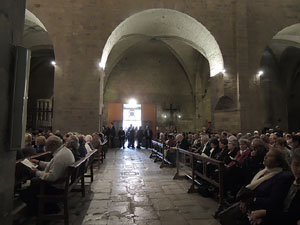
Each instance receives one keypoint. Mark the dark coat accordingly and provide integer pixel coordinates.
(230, 155)
(121, 134)
(148, 135)
(222, 154)
(290, 217)
(82, 150)
(184, 144)
(271, 193)
(205, 150)
(41, 149)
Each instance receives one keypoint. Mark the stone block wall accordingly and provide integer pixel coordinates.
(80, 29)
(227, 120)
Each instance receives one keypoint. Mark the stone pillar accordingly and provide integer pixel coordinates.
(242, 62)
(11, 28)
(101, 97)
(203, 110)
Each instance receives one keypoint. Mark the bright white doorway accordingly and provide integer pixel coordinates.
(132, 115)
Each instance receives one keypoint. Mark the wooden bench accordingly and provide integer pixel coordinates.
(181, 161)
(75, 175)
(157, 152)
(20, 177)
(90, 164)
(101, 153)
(22, 174)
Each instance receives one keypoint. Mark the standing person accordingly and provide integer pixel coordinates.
(121, 135)
(131, 137)
(107, 135)
(157, 133)
(112, 135)
(139, 137)
(148, 135)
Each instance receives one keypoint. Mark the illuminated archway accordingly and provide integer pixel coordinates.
(164, 24)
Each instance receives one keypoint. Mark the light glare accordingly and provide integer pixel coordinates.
(132, 101)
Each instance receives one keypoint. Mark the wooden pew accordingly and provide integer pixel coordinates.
(157, 151)
(90, 165)
(75, 175)
(181, 155)
(22, 174)
(101, 153)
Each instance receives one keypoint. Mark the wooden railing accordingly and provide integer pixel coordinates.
(157, 152)
(76, 174)
(188, 160)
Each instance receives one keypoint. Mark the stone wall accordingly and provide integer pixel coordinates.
(151, 74)
(79, 31)
(265, 20)
(226, 120)
(11, 26)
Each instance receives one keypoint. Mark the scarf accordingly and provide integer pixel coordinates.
(262, 176)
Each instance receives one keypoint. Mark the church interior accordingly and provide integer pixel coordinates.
(175, 66)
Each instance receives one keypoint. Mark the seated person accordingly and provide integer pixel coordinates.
(290, 213)
(88, 143)
(232, 150)
(28, 150)
(48, 171)
(255, 162)
(267, 189)
(40, 142)
(171, 142)
(223, 145)
(72, 143)
(180, 143)
(205, 146)
(241, 155)
(214, 149)
(81, 149)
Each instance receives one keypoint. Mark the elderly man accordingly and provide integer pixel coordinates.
(204, 144)
(49, 171)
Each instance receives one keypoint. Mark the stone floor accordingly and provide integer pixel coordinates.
(130, 189)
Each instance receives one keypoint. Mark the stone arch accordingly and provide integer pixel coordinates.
(224, 103)
(289, 33)
(41, 79)
(163, 24)
(280, 63)
(139, 41)
(35, 34)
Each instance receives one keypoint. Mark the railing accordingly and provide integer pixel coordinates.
(188, 160)
(158, 152)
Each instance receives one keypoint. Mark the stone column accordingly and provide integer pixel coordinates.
(242, 62)
(11, 28)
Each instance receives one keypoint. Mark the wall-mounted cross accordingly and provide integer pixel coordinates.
(172, 111)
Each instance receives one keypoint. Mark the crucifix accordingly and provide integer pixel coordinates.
(172, 110)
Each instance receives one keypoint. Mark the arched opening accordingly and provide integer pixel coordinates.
(280, 80)
(165, 58)
(41, 78)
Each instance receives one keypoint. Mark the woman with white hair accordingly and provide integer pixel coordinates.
(88, 143)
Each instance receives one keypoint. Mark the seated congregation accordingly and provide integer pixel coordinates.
(58, 166)
(261, 175)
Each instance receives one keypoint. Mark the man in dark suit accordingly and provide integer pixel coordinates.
(205, 146)
(148, 135)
